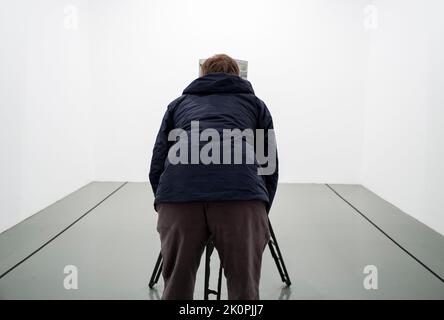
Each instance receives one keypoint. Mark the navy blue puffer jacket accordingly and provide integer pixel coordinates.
(219, 101)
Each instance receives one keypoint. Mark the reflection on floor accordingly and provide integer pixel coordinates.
(328, 234)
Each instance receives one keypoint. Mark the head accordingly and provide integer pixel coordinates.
(220, 63)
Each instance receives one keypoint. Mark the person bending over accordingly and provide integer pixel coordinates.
(214, 173)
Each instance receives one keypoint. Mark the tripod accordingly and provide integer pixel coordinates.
(274, 250)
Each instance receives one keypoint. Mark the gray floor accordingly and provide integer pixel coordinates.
(327, 234)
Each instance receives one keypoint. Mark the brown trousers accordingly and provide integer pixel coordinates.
(240, 233)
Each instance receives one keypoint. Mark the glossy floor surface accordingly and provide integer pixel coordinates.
(329, 235)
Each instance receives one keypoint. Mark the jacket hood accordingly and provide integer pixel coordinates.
(219, 83)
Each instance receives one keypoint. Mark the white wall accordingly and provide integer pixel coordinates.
(44, 88)
(85, 104)
(404, 132)
(306, 61)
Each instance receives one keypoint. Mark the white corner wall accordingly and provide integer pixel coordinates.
(403, 154)
(306, 61)
(44, 97)
(350, 105)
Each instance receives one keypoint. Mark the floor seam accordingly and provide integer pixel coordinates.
(385, 234)
(61, 232)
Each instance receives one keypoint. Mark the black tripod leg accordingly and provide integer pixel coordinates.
(219, 282)
(276, 260)
(208, 251)
(156, 272)
(277, 255)
(159, 272)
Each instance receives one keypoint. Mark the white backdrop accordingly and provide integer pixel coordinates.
(84, 85)
(46, 150)
(306, 61)
(404, 134)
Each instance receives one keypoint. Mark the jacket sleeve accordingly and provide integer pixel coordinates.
(265, 122)
(160, 150)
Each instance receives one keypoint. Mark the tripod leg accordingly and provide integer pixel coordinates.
(156, 272)
(276, 260)
(278, 257)
(219, 282)
(208, 251)
(159, 272)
